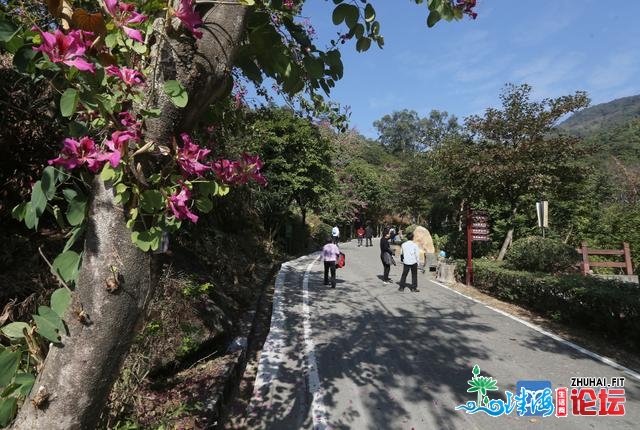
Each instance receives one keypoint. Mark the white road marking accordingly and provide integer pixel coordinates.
(318, 410)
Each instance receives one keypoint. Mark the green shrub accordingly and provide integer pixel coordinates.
(607, 306)
(539, 254)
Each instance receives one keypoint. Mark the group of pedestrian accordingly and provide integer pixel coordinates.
(365, 234)
(409, 256)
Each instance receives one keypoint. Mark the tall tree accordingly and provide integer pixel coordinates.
(142, 174)
(514, 152)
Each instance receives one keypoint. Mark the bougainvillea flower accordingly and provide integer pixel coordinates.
(77, 153)
(189, 157)
(186, 13)
(177, 203)
(124, 14)
(66, 48)
(128, 76)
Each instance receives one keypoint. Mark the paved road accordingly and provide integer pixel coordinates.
(365, 356)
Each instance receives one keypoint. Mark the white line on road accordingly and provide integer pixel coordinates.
(591, 354)
(318, 410)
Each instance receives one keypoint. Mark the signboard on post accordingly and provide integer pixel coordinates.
(478, 230)
(542, 209)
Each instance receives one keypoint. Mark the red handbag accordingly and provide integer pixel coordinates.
(341, 260)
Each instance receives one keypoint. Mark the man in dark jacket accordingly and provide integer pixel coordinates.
(368, 234)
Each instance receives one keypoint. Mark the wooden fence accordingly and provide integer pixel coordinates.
(625, 252)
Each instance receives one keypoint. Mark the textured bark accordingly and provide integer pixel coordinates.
(79, 374)
(509, 238)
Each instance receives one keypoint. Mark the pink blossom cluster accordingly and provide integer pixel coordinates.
(68, 49)
(177, 203)
(239, 172)
(130, 77)
(187, 14)
(124, 15)
(190, 156)
(467, 7)
(77, 153)
(288, 4)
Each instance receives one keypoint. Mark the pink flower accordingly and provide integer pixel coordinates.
(190, 18)
(116, 144)
(125, 14)
(177, 203)
(239, 172)
(67, 49)
(128, 76)
(189, 157)
(76, 153)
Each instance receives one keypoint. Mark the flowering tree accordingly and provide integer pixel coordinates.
(133, 80)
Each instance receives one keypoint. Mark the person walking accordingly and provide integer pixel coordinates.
(410, 257)
(330, 254)
(386, 255)
(360, 232)
(335, 234)
(368, 233)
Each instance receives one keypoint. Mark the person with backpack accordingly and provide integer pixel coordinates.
(330, 255)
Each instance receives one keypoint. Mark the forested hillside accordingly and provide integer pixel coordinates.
(603, 116)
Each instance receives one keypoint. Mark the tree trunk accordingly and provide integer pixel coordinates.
(509, 237)
(78, 375)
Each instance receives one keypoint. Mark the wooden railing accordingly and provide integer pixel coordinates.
(625, 252)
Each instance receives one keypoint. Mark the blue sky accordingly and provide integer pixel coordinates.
(556, 46)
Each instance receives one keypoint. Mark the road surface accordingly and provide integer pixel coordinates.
(365, 356)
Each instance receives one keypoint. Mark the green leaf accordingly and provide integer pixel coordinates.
(74, 235)
(30, 217)
(25, 381)
(23, 57)
(52, 317)
(363, 44)
(369, 13)
(204, 204)
(38, 199)
(47, 329)
(176, 93)
(66, 265)
(223, 190)
(148, 239)
(314, 67)
(60, 300)
(20, 211)
(69, 102)
(151, 201)
(69, 194)
(107, 172)
(8, 408)
(77, 210)
(9, 361)
(49, 182)
(339, 13)
(14, 329)
(7, 30)
(77, 129)
(352, 15)
(434, 17)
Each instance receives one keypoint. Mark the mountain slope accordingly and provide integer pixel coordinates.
(602, 116)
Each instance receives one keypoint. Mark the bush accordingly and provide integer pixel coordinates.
(539, 254)
(607, 306)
